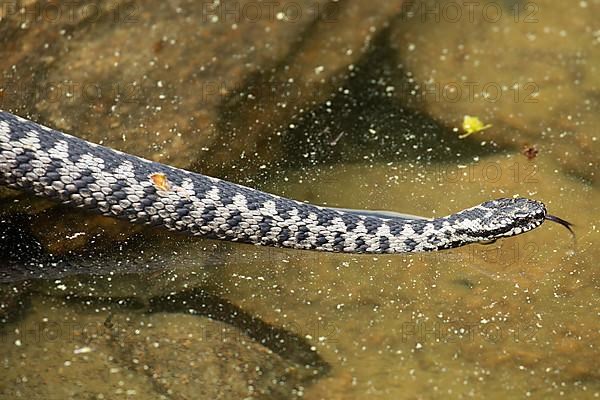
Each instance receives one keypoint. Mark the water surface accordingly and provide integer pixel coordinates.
(124, 314)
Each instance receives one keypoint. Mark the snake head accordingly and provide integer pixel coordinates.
(508, 217)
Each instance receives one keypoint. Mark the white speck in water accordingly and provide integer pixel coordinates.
(82, 350)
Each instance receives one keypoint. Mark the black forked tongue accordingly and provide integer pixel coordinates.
(562, 222)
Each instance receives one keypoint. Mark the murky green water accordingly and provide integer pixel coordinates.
(161, 316)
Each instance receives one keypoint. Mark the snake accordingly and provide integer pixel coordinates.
(70, 170)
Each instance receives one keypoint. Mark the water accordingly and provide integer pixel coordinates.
(161, 316)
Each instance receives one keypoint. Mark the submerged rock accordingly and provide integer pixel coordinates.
(103, 354)
(198, 85)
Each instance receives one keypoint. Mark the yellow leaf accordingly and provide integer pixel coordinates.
(472, 125)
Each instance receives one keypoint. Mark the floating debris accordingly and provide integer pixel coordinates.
(472, 125)
(82, 350)
(530, 152)
(160, 181)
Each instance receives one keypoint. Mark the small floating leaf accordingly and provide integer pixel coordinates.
(472, 125)
(160, 181)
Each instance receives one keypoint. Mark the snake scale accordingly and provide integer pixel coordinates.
(58, 166)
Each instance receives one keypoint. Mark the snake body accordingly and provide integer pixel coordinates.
(73, 171)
